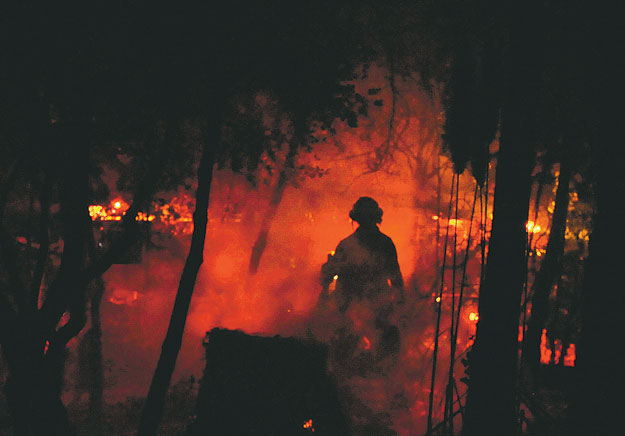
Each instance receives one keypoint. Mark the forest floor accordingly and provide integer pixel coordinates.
(544, 411)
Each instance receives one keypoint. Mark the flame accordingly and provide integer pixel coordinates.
(115, 211)
(569, 359)
(309, 425)
(177, 213)
(532, 227)
(123, 297)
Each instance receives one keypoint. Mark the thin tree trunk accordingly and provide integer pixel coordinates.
(95, 362)
(550, 269)
(276, 197)
(596, 408)
(155, 401)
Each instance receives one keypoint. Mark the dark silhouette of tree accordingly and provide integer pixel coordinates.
(495, 83)
(71, 99)
(155, 401)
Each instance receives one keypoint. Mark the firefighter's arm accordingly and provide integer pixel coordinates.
(328, 271)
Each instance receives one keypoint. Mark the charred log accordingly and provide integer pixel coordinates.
(259, 386)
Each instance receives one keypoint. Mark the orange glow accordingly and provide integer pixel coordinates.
(281, 298)
(473, 316)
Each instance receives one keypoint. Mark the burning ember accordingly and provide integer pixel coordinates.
(309, 425)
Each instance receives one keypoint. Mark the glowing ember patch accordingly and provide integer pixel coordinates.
(332, 253)
(366, 343)
(569, 359)
(435, 217)
(116, 210)
(545, 352)
(438, 299)
(309, 425)
(45, 349)
(473, 316)
(336, 277)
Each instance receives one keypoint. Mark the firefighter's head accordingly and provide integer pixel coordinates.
(366, 212)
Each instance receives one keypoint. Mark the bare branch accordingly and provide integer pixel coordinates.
(44, 245)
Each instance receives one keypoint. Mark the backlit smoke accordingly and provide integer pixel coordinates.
(282, 296)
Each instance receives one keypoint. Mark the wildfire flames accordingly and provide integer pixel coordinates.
(177, 214)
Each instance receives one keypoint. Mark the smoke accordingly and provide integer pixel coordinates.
(281, 298)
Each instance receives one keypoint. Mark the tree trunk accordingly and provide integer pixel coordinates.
(491, 406)
(155, 401)
(270, 213)
(491, 400)
(550, 269)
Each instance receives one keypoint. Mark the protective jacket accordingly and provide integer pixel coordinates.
(365, 266)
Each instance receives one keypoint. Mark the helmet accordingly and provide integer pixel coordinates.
(366, 209)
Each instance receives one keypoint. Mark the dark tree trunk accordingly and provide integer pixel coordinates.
(491, 401)
(597, 401)
(491, 406)
(550, 270)
(95, 373)
(155, 401)
(276, 197)
(37, 353)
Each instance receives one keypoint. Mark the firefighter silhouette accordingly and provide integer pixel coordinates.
(364, 270)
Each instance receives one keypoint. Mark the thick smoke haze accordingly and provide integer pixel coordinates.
(400, 171)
